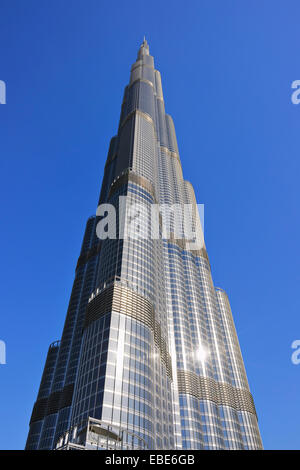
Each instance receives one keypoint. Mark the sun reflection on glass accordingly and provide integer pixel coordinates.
(201, 353)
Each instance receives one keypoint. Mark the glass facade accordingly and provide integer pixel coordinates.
(149, 350)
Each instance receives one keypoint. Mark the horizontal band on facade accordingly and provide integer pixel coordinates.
(85, 257)
(139, 63)
(148, 118)
(120, 299)
(129, 176)
(205, 388)
(140, 113)
(52, 404)
(181, 243)
(142, 80)
(170, 152)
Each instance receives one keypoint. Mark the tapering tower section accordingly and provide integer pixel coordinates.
(149, 356)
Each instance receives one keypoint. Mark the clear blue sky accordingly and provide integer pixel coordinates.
(227, 69)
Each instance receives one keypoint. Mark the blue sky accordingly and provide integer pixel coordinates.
(227, 68)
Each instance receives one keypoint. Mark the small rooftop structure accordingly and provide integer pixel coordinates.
(94, 434)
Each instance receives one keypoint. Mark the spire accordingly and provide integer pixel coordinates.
(144, 48)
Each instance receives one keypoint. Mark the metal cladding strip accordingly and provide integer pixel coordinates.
(162, 346)
(55, 402)
(121, 299)
(205, 388)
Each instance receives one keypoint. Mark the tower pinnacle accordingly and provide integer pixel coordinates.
(144, 48)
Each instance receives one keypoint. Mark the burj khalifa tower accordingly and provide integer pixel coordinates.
(149, 356)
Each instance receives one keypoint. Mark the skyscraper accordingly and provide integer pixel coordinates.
(149, 356)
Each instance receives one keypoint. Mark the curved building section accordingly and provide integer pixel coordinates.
(40, 406)
(246, 412)
(52, 415)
